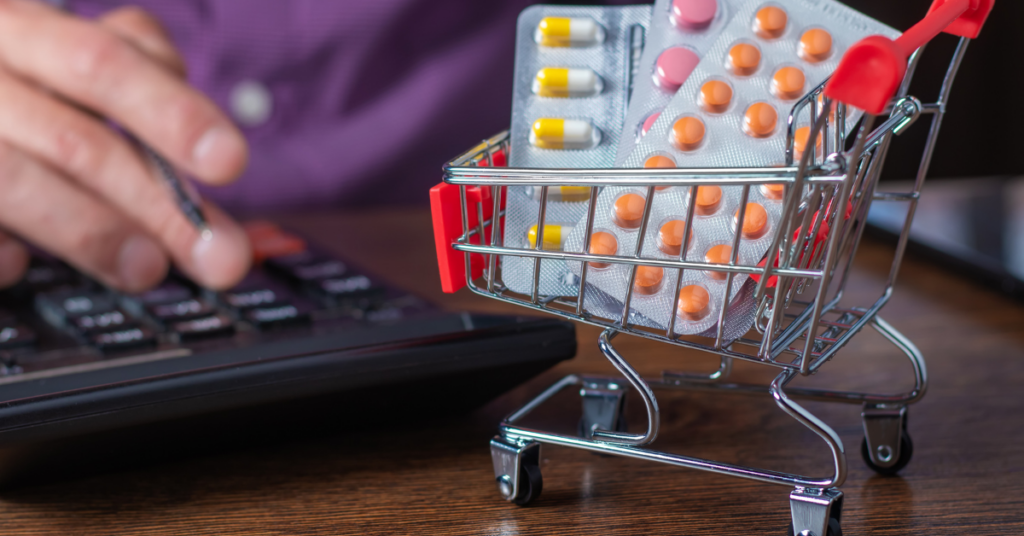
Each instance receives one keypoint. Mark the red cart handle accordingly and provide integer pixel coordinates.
(871, 70)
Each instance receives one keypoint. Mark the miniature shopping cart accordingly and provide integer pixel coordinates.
(799, 324)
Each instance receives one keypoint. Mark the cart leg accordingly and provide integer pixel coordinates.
(517, 470)
(603, 406)
(816, 512)
(887, 447)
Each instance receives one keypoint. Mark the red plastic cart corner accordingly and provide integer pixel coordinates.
(446, 211)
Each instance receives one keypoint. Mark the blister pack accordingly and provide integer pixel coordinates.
(570, 95)
(617, 224)
(732, 110)
(727, 114)
(681, 33)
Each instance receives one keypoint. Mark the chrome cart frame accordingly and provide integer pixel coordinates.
(793, 333)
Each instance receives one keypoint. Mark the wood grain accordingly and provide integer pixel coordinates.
(436, 478)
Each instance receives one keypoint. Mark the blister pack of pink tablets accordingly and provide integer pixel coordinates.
(733, 109)
(681, 33)
(570, 91)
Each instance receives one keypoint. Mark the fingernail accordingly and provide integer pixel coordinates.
(141, 263)
(218, 151)
(221, 257)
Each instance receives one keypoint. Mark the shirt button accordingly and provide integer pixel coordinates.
(251, 103)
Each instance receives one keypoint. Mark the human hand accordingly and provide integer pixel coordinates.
(75, 187)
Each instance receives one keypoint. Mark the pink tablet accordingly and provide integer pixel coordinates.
(649, 122)
(674, 66)
(693, 14)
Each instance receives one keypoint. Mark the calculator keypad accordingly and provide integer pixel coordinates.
(56, 309)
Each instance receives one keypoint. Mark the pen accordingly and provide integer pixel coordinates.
(189, 207)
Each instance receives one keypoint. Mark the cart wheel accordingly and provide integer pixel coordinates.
(906, 452)
(834, 528)
(531, 483)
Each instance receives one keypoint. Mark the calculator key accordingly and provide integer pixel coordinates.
(355, 290)
(124, 339)
(43, 275)
(320, 270)
(183, 310)
(269, 240)
(100, 322)
(281, 315)
(16, 336)
(209, 326)
(307, 266)
(168, 292)
(344, 287)
(248, 299)
(285, 263)
(70, 304)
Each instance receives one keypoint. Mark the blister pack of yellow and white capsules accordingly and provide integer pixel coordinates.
(681, 33)
(570, 94)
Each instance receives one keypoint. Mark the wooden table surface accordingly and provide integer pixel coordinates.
(436, 477)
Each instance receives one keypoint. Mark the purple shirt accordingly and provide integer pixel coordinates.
(369, 97)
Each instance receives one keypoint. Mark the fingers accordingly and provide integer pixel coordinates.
(90, 65)
(61, 218)
(80, 147)
(145, 32)
(223, 260)
(13, 260)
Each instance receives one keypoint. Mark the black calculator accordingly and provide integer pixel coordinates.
(82, 364)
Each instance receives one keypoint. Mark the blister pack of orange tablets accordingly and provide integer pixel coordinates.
(731, 112)
(733, 109)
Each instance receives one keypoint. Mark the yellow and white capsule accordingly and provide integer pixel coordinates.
(554, 236)
(566, 82)
(557, 133)
(568, 32)
(562, 194)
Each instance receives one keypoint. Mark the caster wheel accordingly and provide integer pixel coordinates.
(834, 528)
(531, 483)
(906, 452)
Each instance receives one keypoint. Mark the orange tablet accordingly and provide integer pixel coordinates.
(648, 280)
(670, 237)
(687, 133)
(773, 191)
(770, 22)
(760, 120)
(709, 200)
(628, 211)
(788, 83)
(744, 59)
(720, 254)
(755, 221)
(815, 45)
(715, 96)
(603, 243)
(800, 139)
(694, 302)
(659, 161)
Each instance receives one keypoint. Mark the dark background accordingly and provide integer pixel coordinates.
(981, 133)
(982, 130)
